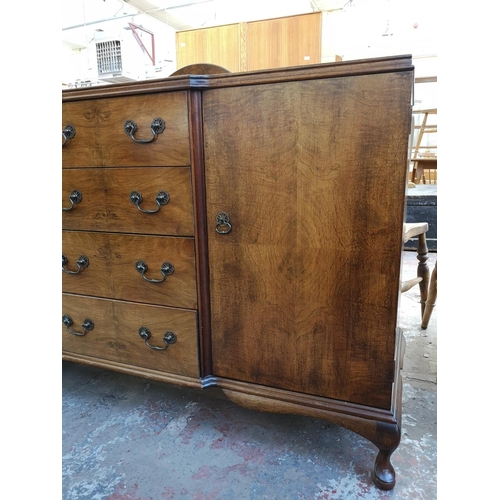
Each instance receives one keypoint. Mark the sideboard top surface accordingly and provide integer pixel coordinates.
(185, 82)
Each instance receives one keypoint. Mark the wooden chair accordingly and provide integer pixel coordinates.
(427, 293)
(431, 298)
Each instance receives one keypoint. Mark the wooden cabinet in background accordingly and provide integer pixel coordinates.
(282, 42)
(284, 228)
(220, 45)
(271, 43)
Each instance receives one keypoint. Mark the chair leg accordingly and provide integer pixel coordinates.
(431, 300)
(417, 173)
(423, 270)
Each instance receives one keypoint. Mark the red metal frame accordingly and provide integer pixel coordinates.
(134, 27)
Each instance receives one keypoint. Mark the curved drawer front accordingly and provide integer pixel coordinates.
(101, 139)
(115, 334)
(112, 272)
(105, 200)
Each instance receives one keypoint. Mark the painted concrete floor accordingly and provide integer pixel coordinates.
(128, 438)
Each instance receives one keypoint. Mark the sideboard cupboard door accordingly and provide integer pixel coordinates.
(304, 269)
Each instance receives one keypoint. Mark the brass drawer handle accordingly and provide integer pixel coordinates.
(82, 263)
(157, 127)
(74, 198)
(167, 269)
(168, 339)
(68, 133)
(87, 325)
(162, 198)
(222, 219)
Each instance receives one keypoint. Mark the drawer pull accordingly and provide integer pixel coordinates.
(82, 263)
(168, 339)
(157, 127)
(87, 325)
(167, 269)
(74, 198)
(162, 198)
(222, 219)
(68, 133)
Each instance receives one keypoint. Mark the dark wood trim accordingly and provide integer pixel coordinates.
(397, 388)
(310, 72)
(313, 406)
(169, 378)
(200, 221)
(293, 73)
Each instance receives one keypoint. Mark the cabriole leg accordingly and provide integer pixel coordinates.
(384, 475)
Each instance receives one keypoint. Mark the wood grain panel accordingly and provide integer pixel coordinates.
(84, 149)
(171, 148)
(100, 138)
(91, 213)
(111, 272)
(115, 335)
(304, 290)
(106, 206)
(96, 279)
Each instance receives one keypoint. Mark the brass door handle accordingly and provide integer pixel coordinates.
(82, 263)
(168, 339)
(75, 197)
(87, 325)
(68, 133)
(162, 198)
(223, 226)
(157, 127)
(166, 269)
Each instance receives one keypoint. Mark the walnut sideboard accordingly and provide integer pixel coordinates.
(245, 231)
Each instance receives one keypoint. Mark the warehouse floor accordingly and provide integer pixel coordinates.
(128, 438)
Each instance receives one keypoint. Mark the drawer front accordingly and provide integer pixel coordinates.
(115, 334)
(106, 206)
(170, 148)
(101, 140)
(84, 148)
(112, 273)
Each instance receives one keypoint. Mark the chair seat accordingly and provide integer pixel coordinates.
(412, 229)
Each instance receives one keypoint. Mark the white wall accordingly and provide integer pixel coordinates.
(376, 28)
(373, 28)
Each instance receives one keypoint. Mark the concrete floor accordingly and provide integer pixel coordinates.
(127, 438)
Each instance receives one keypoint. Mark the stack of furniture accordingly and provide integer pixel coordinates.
(245, 231)
(422, 159)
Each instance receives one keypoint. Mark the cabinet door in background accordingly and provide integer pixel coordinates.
(220, 45)
(282, 42)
